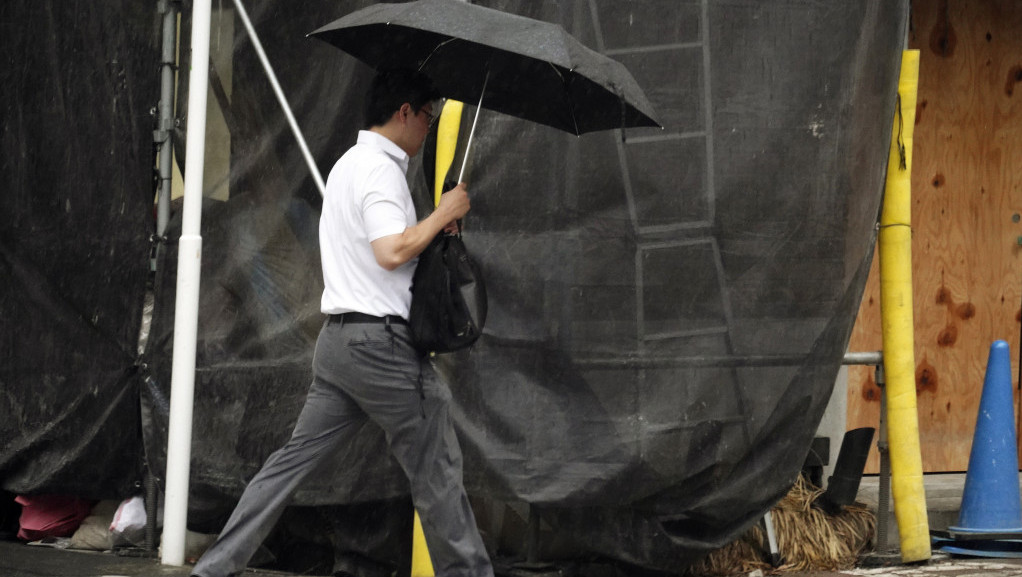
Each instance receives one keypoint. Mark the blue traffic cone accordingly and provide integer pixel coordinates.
(990, 501)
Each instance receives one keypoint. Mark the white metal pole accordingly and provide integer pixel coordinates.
(186, 312)
(316, 176)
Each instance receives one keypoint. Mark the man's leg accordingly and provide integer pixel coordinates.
(428, 450)
(325, 418)
(385, 381)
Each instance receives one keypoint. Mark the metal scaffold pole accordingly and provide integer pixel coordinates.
(164, 134)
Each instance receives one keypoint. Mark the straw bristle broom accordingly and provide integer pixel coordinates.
(807, 538)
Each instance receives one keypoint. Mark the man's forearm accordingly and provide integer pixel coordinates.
(397, 249)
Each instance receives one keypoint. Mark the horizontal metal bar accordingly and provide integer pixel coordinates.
(684, 334)
(653, 48)
(696, 225)
(729, 361)
(868, 358)
(664, 137)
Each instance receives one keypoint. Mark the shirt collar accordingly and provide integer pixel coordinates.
(392, 150)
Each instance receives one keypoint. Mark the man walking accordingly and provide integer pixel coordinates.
(365, 364)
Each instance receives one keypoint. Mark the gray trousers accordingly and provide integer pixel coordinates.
(366, 370)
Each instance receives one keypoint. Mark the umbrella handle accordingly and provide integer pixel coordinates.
(471, 133)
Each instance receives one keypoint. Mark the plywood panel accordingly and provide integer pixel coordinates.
(967, 202)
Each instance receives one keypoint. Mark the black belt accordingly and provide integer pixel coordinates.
(362, 318)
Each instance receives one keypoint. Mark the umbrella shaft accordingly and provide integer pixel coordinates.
(471, 133)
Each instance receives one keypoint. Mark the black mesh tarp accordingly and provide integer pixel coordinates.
(667, 310)
(76, 87)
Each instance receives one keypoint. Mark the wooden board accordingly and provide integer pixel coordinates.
(966, 222)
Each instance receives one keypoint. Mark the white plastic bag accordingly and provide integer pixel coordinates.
(128, 525)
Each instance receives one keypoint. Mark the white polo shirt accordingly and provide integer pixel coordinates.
(367, 198)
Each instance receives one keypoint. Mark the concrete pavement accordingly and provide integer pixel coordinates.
(943, 498)
(20, 560)
(940, 566)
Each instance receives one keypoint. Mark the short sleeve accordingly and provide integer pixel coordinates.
(383, 206)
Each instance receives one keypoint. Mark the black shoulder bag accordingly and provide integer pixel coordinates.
(448, 297)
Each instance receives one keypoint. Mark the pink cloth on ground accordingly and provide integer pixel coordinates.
(51, 515)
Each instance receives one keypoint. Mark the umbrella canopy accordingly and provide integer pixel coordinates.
(528, 68)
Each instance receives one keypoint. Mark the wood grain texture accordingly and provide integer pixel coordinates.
(966, 202)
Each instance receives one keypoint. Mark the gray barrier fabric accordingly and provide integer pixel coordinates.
(668, 309)
(76, 159)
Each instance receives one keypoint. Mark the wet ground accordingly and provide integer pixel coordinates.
(939, 566)
(20, 560)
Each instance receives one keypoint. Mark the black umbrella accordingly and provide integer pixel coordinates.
(511, 64)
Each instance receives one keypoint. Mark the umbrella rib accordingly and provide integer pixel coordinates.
(571, 105)
(435, 48)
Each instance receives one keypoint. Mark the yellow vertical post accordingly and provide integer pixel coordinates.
(895, 240)
(446, 143)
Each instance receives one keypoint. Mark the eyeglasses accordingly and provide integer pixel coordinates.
(435, 107)
(430, 117)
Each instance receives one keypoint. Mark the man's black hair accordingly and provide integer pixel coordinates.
(392, 88)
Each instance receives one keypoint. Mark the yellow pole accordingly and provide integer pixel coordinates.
(895, 241)
(446, 143)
